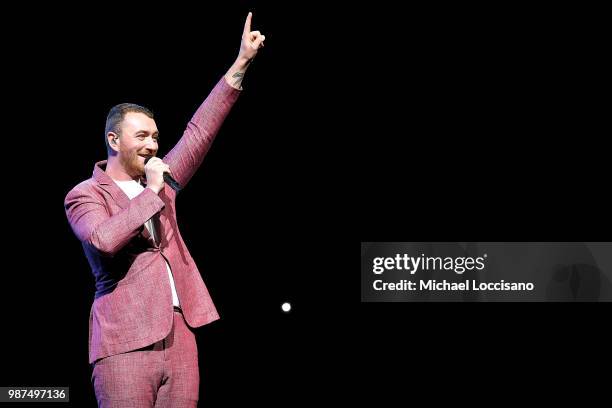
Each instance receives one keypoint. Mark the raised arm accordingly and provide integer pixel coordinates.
(187, 155)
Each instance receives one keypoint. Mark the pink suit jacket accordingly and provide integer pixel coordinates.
(133, 302)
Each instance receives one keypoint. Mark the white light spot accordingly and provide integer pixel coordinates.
(286, 307)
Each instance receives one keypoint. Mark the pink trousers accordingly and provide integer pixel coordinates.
(164, 374)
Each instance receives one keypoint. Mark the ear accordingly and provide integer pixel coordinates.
(113, 140)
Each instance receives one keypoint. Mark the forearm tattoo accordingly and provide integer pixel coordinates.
(238, 76)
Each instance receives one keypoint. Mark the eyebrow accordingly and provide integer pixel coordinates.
(156, 133)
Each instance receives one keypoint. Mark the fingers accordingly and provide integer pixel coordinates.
(165, 168)
(258, 41)
(255, 37)
(153, 160)
(247, 25)
(156, 162)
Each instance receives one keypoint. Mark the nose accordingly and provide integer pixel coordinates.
(151, 145)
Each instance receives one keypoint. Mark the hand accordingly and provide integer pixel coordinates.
(154, 171)
(252, 41)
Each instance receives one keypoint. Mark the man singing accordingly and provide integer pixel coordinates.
(149, 292)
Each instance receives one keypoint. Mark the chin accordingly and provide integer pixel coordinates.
(136, 169)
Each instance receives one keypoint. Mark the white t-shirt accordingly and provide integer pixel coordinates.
(132, 188)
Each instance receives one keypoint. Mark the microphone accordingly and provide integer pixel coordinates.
(168, 179)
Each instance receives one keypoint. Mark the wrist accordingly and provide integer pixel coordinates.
(236, 73)
(242, 63)
(156, 189)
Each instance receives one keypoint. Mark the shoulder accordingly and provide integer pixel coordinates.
(86, 188)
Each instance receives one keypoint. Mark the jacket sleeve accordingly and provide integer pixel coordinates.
(187, 155)
(93, 226)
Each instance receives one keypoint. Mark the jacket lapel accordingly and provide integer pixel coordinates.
(108, 185)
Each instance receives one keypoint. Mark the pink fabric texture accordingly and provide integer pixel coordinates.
(133, 304)
(162, 375)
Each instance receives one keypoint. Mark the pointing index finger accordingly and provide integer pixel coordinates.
(247, 24)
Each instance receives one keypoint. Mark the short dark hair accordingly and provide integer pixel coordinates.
(117, 114)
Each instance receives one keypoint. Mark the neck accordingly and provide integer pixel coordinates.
(115, 170)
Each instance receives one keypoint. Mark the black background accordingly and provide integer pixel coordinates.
(363, 123)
